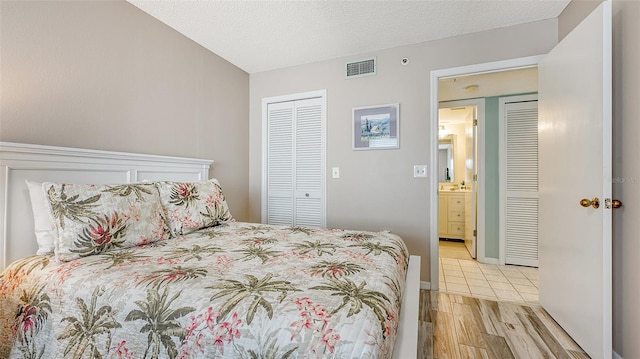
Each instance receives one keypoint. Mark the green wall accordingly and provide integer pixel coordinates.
(492, 175)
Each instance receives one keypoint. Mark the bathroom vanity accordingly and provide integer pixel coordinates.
(451, 209)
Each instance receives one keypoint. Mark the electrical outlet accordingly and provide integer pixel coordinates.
(420, 171)
(335, 172)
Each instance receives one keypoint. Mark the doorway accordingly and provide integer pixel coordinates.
(486, 249)
(457, 170)
(575, 81)
(458, 125)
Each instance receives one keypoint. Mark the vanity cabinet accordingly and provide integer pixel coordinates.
(451, 212)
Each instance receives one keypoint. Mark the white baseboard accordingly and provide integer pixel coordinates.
(616, 355)
(425, 285)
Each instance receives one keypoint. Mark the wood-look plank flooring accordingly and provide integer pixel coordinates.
(460, 327)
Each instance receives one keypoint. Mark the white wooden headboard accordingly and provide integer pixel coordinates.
(20, 162)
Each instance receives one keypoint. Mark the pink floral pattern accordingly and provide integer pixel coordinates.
(122, 352)
(205, 332)
(92, 219)
(235, 290)
(193, 205)
(316, 319)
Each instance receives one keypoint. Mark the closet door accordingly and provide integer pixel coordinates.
(520, 191)
(280, 165)
(309, 164)
(295, 163)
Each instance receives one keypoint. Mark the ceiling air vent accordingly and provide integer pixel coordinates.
(361, 68)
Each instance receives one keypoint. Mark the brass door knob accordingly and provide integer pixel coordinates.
(595, 202)
(616, 203)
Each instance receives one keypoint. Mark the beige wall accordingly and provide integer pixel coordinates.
(626, 168)
(573, 14)
(377, 190)
(626, 171)
(105, 75)
(626, 131)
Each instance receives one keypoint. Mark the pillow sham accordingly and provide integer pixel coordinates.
(41, 219)
(190, 206)
(92, 219)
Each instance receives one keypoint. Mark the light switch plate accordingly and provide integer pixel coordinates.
(335, 172)
(420, 171)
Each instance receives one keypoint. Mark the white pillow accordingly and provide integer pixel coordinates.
(41, 219)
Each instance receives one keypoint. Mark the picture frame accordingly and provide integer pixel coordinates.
(376, 127)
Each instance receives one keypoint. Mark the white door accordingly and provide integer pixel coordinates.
(575, 163)
(295, 154)
(519, 183)
(309, 164)
(279, 163)
(471, 177)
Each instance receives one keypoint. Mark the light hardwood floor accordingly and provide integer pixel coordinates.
(460, 327)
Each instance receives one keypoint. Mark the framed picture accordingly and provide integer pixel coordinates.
(376, 127)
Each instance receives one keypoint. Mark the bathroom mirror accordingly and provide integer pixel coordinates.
(445, 159)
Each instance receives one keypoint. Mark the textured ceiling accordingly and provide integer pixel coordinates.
(264, 35)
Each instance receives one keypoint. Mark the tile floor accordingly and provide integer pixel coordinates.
(488, 281)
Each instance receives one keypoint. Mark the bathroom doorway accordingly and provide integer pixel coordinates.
(457, 173)
(469, 250)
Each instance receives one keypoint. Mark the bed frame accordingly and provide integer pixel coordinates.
(20, 162)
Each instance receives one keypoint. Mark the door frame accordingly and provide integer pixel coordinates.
(436, 75)
(322, 94)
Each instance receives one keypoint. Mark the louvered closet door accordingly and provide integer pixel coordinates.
(521, 207)
(295, 163)
(308, 164)
(280, 176)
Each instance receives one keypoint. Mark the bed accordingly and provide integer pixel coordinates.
(147, 261)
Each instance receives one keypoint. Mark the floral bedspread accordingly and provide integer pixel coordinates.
(238, 290)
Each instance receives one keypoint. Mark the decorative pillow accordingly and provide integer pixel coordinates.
(193, 205)
(41, 219)
(92, 219)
